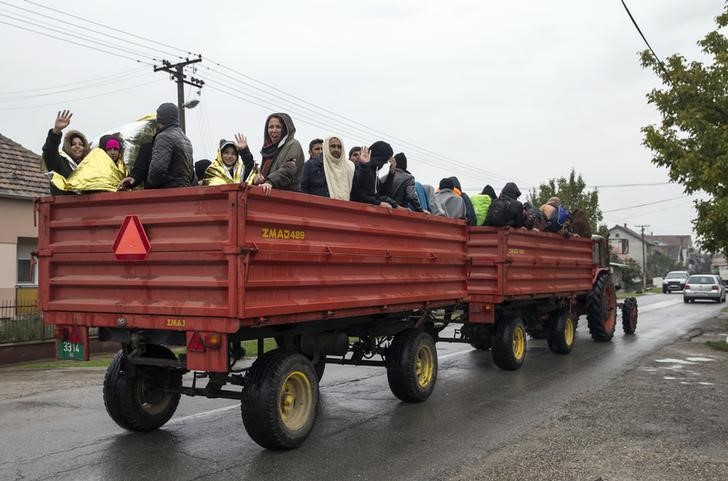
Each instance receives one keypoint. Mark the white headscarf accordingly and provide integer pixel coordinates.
(339, 171)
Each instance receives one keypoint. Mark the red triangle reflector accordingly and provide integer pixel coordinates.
(195, 344)
(132, 243)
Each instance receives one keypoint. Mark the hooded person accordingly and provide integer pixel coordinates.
(366, 187)
(171, 163)
(452, 204)
(282, 165)
(481, 203)
(101, 170)
(232, 165)
(330, 174)
(61, 162)
(402, 187)
(506, 210)
(469, 209)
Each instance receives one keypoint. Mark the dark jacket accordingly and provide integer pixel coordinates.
(403, 190)
(140, 171)
(515, 214)
(314, 179)
(54, 161)
(367, 188)
(285, 168)
(470, 215)
(171, 162)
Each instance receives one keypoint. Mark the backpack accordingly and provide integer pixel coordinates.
(559, 219)
(499, 212)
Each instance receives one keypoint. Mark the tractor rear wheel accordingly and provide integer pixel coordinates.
(601, 310)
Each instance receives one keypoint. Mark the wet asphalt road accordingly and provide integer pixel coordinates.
(362, 432)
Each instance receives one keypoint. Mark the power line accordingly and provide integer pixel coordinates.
(642, 205)
(639, 30)
(103, 34)
(107, 26)
(40, 89)
(76, 43)
(120, 79)
(27, 107)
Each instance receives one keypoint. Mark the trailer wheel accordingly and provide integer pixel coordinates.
(561, 334)
(280, 399)
(145, 400)
(509, 345)
(629, 315)
(411, 363)
(601, 309)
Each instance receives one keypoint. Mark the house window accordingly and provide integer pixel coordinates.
(27, 273)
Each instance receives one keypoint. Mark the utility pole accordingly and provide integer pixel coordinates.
(644, 258)
(176, 73)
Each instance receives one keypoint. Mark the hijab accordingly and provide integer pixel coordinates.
(339, 171)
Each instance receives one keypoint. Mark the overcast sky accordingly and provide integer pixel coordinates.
(487, 91)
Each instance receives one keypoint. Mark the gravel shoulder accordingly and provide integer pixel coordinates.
(666, 419)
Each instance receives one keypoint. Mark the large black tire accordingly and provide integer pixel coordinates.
(561, 331)
(601, 309)
(509, 345)
(145, 400)
(280, 400)
(411, 362)
(629, 315)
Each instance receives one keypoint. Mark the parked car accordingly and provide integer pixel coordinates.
(674, 281)
(704, 286)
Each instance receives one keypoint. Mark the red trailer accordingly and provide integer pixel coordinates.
(203, 269)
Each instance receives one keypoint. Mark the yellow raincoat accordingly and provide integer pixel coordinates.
(97, 172)
(218, 173)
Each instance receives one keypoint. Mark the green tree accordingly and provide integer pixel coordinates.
(573, 195)
(692, 138)
(659, 264)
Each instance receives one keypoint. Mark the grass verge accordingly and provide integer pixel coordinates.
(718, 345)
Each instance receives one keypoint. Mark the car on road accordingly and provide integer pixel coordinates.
(674, 281)
(704, 286)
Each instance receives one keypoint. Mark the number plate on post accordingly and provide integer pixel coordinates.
(71, 351)
(72, 343)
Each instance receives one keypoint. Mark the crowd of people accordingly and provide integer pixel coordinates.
(166, 161)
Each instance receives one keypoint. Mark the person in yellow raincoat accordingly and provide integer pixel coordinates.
(101, 170)
(232, 165)
(61, 162)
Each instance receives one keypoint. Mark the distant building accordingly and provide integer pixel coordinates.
(21, 181)
(676, 247)
(627, 244)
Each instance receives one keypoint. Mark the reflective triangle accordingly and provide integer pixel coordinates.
(131, 242)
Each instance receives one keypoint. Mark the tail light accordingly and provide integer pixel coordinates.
(213, 341)
(687, 286)
(715, 288)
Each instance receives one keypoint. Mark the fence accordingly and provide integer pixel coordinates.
(22, 322)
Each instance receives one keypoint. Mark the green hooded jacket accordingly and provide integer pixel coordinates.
(286, 165)
(481, 204)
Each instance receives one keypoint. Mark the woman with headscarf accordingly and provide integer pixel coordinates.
(282, 165)
(63, 162)
(101, 170)
(330, 174)
(232, 164)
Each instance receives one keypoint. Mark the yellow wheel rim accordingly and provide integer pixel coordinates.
(424, 366)
(519, 342)
(295, 403)
(569, 331)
